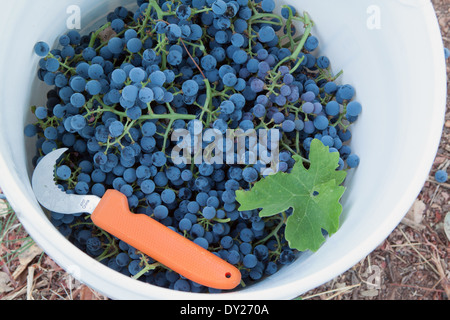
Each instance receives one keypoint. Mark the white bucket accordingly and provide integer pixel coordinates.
(390, 50)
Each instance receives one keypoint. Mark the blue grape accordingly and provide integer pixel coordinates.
(288, 126)
(95, 71)
(321, 122)
(323, 62)
(161, 212)
(202, 242)
(246, 235)
(98, 189)
(148, 186)
(332, 108)
(134, 45)
(238, 40)
(240, 56)
(285, 11)
(233, 257)
(446, 53)
(127, 190)
(173, 173)
(51, 133)
(93, 87)
(190, 88)
(122, 259)
(354, 108)
(143, 172)
(209, 212)
(129, 175)
(116, 129)
(63, 172)
(250, 174)
(116, 45)
(249, 261)
(135, 267)
(41, 113)
(159, 159)
(94, 244)
(287, 256)
(185, 224)
(146, 95)
(267, 5)
(168, 196)
(130, 93)
(117, 25)
(119, 76)
(227, 107)
(345, 92)
(353, 161)
(52, 65)
(261, 252)
(311, 43)
(229, 79)
(41, 49)
(219, 7)
(226, 242)
(77, 100)
(271, 268)
(441, 176)
(78, 122)
(158, 78)
(266, 34)
(137, 75)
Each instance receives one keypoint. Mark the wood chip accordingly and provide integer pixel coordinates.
(447, 225)
(107, 34)
(416, 213)
(25, 259)
(369, 293)
(30, 283)
(5, 283)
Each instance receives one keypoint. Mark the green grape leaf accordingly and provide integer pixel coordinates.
(313, 193)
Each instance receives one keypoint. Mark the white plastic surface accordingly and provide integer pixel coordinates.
(390, 51)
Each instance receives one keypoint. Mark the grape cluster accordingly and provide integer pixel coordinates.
(228, 64)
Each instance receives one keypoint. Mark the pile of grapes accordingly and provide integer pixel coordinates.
(118, 93)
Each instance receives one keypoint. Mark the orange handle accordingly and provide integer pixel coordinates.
(163, 244)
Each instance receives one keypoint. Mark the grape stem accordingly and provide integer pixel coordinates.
(152, 116)
(274, 231)
(294, 56)
(208, 104)
(97, 33)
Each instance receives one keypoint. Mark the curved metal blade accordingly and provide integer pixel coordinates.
(51, 196)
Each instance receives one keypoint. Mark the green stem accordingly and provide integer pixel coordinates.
(208, 104)
(285, 145)
(166, 135)
(97, 33)
(174, 116)
(152, 4)
(274, 231)
(147, 268)
(72, 70)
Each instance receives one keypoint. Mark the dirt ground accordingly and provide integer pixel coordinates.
(411, 264)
